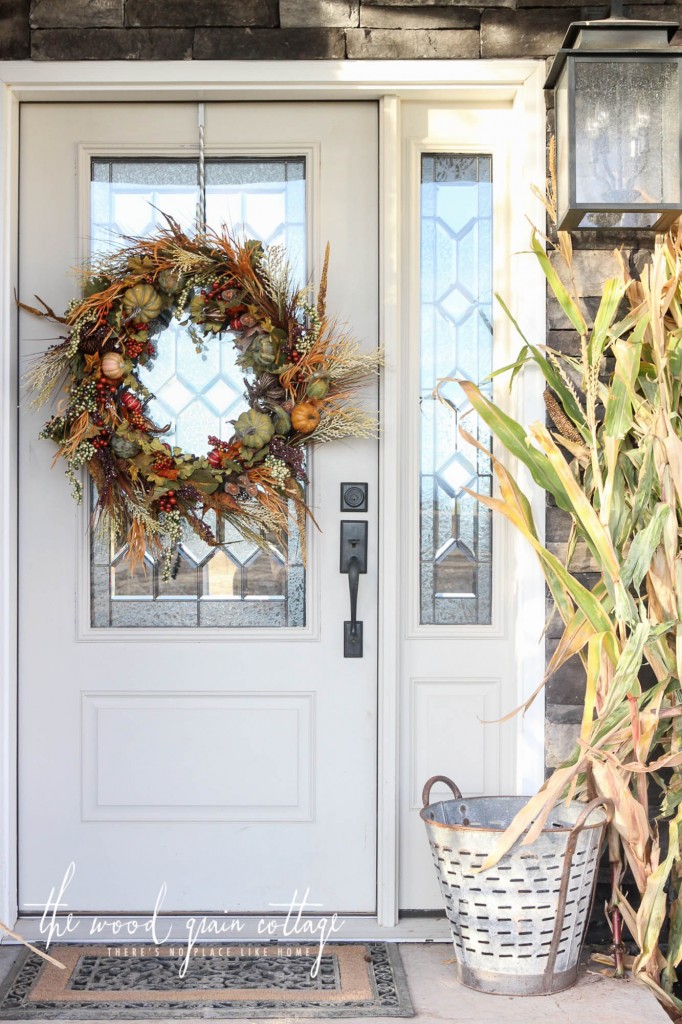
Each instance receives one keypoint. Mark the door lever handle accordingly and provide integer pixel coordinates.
(353, 580)
(353, 562)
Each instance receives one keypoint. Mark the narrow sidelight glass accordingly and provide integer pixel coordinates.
(456, 342)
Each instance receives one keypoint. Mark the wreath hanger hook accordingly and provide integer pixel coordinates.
(201, 203)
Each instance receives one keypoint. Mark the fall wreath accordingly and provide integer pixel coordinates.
(302, 370)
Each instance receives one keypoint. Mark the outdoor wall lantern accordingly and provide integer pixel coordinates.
(618, 97)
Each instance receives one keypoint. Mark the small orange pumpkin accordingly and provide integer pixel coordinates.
(304, 417)
(113, 365)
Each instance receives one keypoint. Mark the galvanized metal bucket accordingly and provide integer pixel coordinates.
(517, 928)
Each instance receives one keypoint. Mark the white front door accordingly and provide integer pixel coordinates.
(207, 733)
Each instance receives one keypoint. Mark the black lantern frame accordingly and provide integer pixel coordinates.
(613, 41)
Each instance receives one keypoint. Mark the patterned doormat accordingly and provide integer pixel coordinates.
(272, 980)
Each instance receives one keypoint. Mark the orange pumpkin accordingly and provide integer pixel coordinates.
(304, 417)
(113, 365)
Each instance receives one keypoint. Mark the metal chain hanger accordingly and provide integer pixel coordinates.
(201, 203)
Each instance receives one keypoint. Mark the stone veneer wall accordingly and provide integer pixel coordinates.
(54, 30)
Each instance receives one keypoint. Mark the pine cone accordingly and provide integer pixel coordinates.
(99, 339)
(265, 389)
(112, 344)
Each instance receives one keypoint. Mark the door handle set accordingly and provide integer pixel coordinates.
(354, 563)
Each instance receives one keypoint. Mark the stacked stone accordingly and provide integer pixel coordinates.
(291, 29)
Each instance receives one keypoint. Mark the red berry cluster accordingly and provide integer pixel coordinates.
(135, 348)
(162, 463)
(292, 355)
(105, 389)
(215, 442)
(101, 441)
(138, 421)
(167, 502)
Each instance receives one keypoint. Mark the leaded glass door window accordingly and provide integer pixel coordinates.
(198, 395)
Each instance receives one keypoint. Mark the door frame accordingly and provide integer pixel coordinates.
(516, 83)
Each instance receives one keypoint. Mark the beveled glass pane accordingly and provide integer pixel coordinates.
(264, 575)
(184, 580)
(222, 576)
(456, 342)
(198, 395)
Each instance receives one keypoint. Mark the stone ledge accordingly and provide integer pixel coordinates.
(534, 33)
(560, 740)
(419, 17)
(169, 13)
(319, 13)
(412, 44)
(269, 44)
(15, 43)
(77, 13)
(112, 44)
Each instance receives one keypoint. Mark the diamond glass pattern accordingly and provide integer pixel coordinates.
(456, 342)
(235, 584)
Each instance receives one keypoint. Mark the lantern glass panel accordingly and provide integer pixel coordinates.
(626, 135)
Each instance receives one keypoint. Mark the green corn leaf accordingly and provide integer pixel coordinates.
(595, 649)
(555, 283)
(642, 549)
(614, 290)
(514, 438)
(626, 677)
(621, 394)
(571, 406)
(645, 486)
(595, 532)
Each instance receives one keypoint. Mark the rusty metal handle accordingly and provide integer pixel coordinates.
(600, 801)
(426, 792)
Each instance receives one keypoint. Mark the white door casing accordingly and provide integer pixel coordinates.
(240, 764)
(519, 85)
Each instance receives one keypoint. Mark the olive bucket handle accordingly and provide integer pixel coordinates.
(572, 842)
(600, 801)
(426, 792)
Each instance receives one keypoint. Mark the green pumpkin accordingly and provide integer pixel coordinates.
(171, 281)
(142, 302)
(254, 429)
(123, 448)
(318, 386)
(263, 352)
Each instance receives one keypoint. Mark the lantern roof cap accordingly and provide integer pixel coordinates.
(612, 37)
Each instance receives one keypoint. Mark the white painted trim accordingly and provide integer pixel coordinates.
(277, 80)
(390, 483)
(9, 140)
(517, 81)
(529, 307)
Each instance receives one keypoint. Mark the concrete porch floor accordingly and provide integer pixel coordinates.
(437, 997)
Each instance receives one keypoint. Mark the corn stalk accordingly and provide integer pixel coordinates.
(615, 466)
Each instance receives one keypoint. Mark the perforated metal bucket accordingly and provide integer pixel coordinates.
(517, 928)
